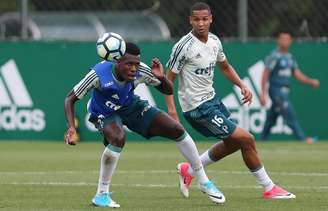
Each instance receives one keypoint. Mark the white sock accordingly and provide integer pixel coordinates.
(189, 150)
(263, 179)
(205, 159)
(108, 164)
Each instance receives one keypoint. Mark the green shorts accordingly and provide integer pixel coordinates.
(137, 117)
(211, 119)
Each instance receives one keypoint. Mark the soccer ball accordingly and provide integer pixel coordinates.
(110, 46)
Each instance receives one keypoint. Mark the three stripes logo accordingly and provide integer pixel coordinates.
(252, 118)
(16, 105)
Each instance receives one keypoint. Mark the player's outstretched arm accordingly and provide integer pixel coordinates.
(70, 116)
(171, 108)
(89, 82)
(264, 87)
(300, 76)
(230, 73)
(166, 86)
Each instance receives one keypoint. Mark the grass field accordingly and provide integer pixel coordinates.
(53, 176)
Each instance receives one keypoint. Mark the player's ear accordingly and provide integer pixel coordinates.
(190, 20)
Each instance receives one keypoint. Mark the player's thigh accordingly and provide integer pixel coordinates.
(288, 111)
(114, 134)
(210, 122)
(139, 117)
(165, 126)
(279, 102)
(111, 128)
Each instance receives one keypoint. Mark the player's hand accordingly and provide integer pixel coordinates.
(157, 69)
(315, 83)
(263, 100)
(70, 134)
(247, 95)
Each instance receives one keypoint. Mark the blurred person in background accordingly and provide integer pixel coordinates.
(280, 67)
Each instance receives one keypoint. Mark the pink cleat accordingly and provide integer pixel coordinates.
(185, 178)
(278, 193)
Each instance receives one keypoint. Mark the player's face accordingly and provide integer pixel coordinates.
(284, 40)
(200, 21)
(128, 67)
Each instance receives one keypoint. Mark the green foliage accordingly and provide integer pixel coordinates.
(9, 6)
(306, 18)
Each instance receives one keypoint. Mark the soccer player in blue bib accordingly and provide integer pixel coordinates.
(280, 67)
(114, 104)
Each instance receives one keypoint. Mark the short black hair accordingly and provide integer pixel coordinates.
(200, 6)
(284, 31)
(132, 49)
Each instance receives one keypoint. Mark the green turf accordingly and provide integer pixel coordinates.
(54, 176)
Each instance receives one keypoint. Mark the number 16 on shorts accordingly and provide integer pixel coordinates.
(219, 122)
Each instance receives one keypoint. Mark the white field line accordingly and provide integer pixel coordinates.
(305, 174)
(152, 185)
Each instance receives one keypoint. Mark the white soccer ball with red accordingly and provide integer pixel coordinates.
(111, 46)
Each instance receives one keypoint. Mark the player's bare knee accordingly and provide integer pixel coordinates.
(251, 138)
(117, 139)
(174, 131)
(248, 141)
(178, 129)
(251, 141)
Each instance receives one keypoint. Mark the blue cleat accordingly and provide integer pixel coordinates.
(104, 200)
(212, 192)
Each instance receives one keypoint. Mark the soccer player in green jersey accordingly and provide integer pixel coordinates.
(280, 67)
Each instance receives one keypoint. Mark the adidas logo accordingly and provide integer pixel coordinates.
(252, 117)
(11, 79)
(115, 96)
(198, 56)
(109, 84)
(16, 105)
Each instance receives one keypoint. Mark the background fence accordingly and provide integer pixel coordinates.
(29, 112)
(243, 19)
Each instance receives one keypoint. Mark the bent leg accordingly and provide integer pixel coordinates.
(114, 134)
(165, 126)
(114, 137)
(241, 139)
(212, 120)
(246, 142)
